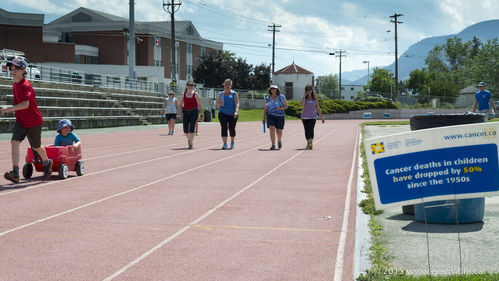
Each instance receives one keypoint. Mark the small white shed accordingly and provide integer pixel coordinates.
(292, 81)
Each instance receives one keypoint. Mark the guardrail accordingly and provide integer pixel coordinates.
(75, 77)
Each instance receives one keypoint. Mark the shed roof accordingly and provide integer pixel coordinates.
(293, 69)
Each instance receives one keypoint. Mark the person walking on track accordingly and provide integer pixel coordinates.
(170, 110)
(273, 114)
(228, 107)
(190, 107)
(309, 112)
(29, 120)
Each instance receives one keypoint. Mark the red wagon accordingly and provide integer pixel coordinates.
(65, 159)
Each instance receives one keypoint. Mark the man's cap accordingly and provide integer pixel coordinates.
(481, 84)
(274, 86)
(64, 123)
(18, 61)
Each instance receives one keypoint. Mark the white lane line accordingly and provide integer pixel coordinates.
(124, 192)
(130, 190)
(196, 221)
(338, 270)
(112, 169)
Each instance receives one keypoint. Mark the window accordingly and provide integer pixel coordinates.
(157, 41)
(189, 48)
(189, 69)
(190, 30)
(77, 59)
(81, 17)
(67, 37)
(203, 50)
(351, 89)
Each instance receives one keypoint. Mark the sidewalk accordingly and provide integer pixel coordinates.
(408, 240)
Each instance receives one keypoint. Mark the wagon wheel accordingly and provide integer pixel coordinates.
(80, 168)
(27, 170)
(63, 171)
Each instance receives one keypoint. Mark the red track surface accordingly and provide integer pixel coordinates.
(149, 209)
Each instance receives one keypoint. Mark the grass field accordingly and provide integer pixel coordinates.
(252, 115)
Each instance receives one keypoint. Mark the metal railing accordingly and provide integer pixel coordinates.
(76, 77)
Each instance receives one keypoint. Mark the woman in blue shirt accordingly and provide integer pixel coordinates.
(228, 107)
(273, 113)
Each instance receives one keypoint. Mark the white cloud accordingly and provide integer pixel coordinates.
(462, 13)
(44, 6)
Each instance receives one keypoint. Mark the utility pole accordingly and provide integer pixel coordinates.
(395, 21)
(368, 88)
(339, 54)
(131, 42)
(172, 7)
(273, 26)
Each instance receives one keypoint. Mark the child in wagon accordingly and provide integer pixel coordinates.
(66, 136)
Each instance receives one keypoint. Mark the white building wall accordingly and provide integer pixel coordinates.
(350, 92)
(299, 82)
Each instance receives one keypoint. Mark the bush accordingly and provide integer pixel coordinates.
(339, 106)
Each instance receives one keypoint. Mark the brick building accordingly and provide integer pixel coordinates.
(93, 41)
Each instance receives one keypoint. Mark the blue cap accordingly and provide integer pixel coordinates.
(64, 123)
(18, 61)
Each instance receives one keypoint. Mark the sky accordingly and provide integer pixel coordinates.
(309, 30)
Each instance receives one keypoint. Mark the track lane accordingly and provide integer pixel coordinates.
(175, 195)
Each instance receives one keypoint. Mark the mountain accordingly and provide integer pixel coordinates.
(415, 56)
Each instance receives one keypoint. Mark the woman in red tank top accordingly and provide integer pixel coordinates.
(189, 107)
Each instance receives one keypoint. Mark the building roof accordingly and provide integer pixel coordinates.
(84, 19)
(469, 90)
(293, 69)
(24, 19)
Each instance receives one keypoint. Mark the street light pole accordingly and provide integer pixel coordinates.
(368, 88)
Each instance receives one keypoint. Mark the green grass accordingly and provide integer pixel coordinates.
(252, 115)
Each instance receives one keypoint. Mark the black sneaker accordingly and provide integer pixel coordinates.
(272, 147)
(47, 170)
(12, 176)
(279, 144)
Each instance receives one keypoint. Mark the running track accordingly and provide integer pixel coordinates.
(149, 209)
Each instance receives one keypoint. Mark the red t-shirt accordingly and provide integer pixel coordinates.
(31, 116)
(190, 103)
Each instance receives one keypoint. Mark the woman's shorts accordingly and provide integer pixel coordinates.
(276, 121)
(171, 116)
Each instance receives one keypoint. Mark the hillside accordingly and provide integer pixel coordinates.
(415, 56)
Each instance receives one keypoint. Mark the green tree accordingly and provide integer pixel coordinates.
(381, 82)
(328, 85)
(417, 82)
(215, 67)
(210, 71)
(260, 78)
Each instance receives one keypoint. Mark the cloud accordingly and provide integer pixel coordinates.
(43, 6)
(462, 13)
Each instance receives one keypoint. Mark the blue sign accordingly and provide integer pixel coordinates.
(437, 172)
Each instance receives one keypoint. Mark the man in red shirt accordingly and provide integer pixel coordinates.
(28, 120)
